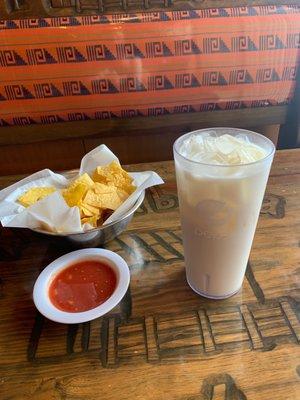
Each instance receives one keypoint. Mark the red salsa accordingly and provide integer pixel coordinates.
(82, 286)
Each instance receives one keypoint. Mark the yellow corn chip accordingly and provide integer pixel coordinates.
(74, 194)
(130, 188)
(109, 200)
(123, 195)
(101, 188)
(87, 208)
(35, 194)
(103, 175)
(90, 220)
(77, 189)
(85, 179)
(84, 212)
(114, 175)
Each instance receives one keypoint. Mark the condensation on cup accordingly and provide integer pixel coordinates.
(221, 180)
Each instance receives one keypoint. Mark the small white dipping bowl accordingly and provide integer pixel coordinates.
(41, 287)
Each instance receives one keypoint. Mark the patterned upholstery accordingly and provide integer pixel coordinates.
(147, 64)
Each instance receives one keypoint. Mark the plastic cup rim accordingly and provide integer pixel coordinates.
(270, 154)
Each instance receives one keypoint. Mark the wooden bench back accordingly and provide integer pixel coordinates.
(162, 74)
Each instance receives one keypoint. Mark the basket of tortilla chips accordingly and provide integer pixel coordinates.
(88, 207)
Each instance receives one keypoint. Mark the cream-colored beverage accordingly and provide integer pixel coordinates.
(221, 179)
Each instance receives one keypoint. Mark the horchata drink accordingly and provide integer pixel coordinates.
(221, 179)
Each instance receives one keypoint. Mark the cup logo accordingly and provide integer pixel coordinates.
(216, 219)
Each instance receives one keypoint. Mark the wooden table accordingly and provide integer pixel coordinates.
(163, 341)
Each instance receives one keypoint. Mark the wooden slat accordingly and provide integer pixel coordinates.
(208, 340)
(244, 118)
(151, 341)
(38, 8)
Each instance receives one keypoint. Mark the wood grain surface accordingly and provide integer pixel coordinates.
(162, 341)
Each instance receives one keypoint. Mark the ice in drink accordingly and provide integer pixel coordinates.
(221, 179)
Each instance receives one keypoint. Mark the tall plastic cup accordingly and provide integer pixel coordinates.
(219, 209)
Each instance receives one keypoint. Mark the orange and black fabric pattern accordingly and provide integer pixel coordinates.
(147, 64)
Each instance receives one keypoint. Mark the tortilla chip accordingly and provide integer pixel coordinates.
(85, 179)
(123, 194)
(101, 188)
(77, 189)
(109, 199)
(84, 212)
(90, 210)
(128, 188)
(114, 175)
(90, 220)
(74, 194)
(35, 194)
